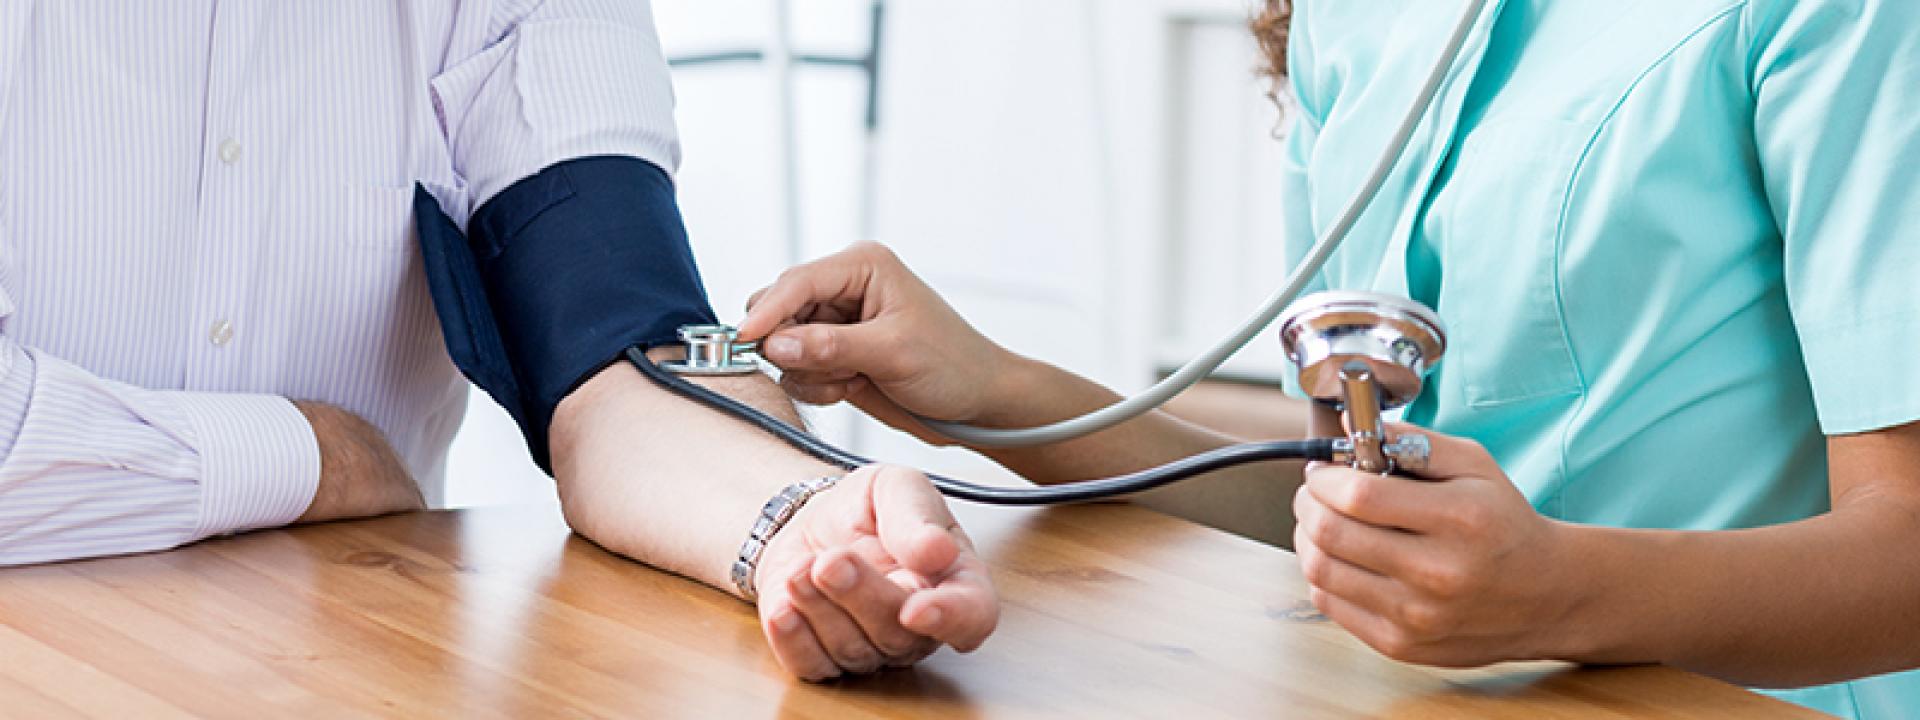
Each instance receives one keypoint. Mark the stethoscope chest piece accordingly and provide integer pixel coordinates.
(713, 350)
(1331, 334)
(1365, 353)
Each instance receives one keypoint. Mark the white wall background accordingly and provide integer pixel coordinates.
(1089, 181)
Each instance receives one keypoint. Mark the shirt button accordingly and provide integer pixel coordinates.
(221, 333)
(230, 151)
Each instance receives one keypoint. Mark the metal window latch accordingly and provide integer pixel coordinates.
(714, 350)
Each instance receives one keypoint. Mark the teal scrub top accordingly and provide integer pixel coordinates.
(1676, 243)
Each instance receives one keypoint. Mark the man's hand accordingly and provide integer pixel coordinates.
(1455, 569)
(673, 484)
(360, 475)
(872, 573)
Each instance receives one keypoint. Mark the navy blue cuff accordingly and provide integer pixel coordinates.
(558, 274)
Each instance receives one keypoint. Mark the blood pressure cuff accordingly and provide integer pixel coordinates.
(557, 275)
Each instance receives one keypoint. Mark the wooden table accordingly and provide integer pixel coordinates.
(1111, 611)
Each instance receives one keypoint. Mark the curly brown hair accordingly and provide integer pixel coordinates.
(1270, 27)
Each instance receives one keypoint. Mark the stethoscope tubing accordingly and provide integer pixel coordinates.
(1078, 492)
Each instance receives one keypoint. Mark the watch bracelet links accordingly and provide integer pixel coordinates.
(773, 516)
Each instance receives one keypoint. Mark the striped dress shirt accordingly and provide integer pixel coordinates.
(205, 212)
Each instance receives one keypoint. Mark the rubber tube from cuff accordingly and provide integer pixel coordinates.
(1087, 491)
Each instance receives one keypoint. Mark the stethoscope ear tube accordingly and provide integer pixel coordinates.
(1090, 490)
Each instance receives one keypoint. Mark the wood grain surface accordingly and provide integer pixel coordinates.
(1111, 611)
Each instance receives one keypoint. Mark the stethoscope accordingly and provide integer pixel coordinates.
(1360, 353)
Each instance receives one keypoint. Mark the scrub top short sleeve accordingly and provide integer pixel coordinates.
(1837, 123)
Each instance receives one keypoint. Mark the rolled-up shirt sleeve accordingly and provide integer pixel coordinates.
(559, 79)
(94, 467)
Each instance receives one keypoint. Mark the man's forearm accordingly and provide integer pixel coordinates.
(666, 481)
(1820, 600)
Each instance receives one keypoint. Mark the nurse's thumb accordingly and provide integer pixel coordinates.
(862, 348)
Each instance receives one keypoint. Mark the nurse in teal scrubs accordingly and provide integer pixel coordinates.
(1677, 243)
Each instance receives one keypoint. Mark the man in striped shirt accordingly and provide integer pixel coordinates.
(215, 314)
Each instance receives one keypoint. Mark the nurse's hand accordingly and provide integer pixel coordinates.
(861, 327)
(1456, 569)
(873, 572)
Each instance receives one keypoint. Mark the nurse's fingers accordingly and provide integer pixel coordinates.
(1451, 457)
(818, 377)
(821, 388)
(1376, 549)
(819, 395)
(1377, 594)
(867, 348)
(835, 279)
(1377, 632)
(1384, 500)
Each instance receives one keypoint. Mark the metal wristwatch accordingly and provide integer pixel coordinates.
(773, 516)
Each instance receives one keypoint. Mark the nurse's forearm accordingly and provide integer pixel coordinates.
(1036, 393)
(1821, 600)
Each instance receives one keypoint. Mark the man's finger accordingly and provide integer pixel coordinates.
(913, 521)
(837, 631)
(793, 641)
(870, 598)
(962, 611)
